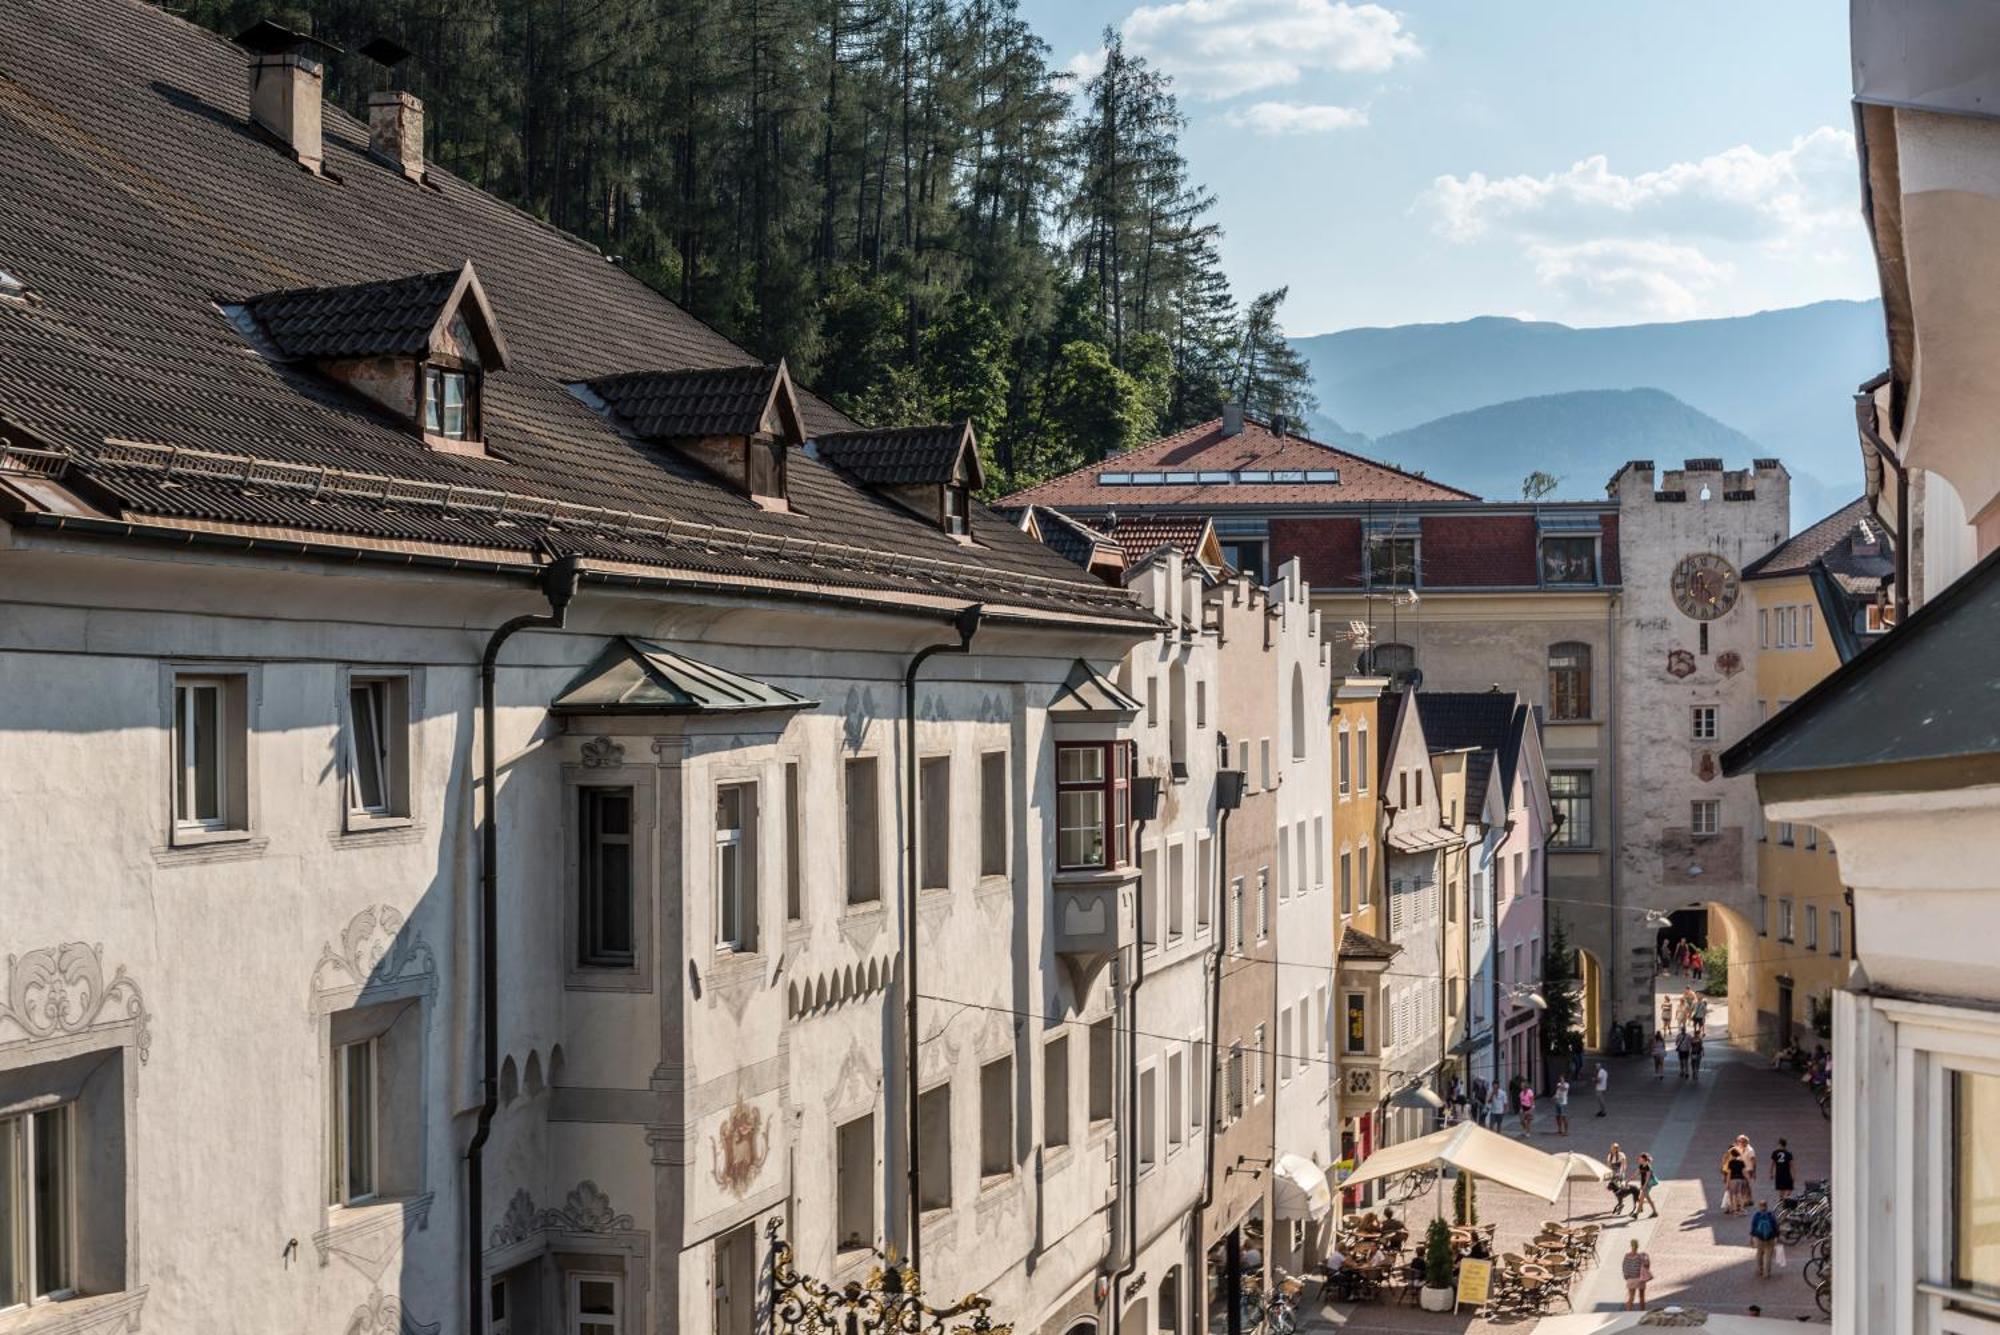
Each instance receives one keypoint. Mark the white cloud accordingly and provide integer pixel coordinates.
(1085, 65)
(1657, 279)
(1274, 118)
(1781, 197)
(1221, 48)
(1687, 240)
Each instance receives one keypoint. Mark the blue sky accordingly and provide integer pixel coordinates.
(1588, 161)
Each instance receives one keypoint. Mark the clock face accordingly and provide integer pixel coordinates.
(1704, 586)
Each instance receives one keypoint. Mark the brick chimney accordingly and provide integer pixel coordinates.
(287, 77)
(396, 131)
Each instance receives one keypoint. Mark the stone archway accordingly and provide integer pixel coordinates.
(1590, 998)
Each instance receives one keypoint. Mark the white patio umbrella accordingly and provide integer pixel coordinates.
(1470, 1149)
(1581, 1168)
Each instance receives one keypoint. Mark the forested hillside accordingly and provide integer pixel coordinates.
(905, 198)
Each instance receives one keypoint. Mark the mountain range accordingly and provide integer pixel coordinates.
(1481, 403)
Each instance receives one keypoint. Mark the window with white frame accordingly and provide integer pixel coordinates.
(378, 746)
(1149, 897)
(1287, 1044)
(211, 754)
(1346, 762)
(861, 794)
(1149, 1119)
(1284, 865)
(1319, 850)
(1322, 1022)
(1103, 1047)
(1346, 881)
(596, 1304)
(736, 866)
(1705, 817)
(605, 936)
(1259, 1038)
(1197, 1067)
(38, 1205)
(1055, 1092)
(993, 823)
(1834, 923)
(996, 1117)
(1232, 1085)
(1236, 914)
(934, 1148)
(1176, 1091)
(1361, 758)
(934, 822)
(1204, 881)
(1974, 1195)
(794, 845)
(1812, 927)
(1266, 776)
(854, 1184)
(1263, 903)
(1392, 561)
(1703, 729)
(1176, 890)
(351, 1123)
(1364, 893)
(1785, 920)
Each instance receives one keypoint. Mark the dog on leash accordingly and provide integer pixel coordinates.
(1623, 1194)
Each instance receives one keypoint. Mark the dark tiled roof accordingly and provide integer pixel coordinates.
(1481, 721)
(675, 405)
(135, 200)
(903, 455)
(635, 676)
(1071, 538)
(1356, 944)
(386, 319)
(1257, 448)
(1834, 541)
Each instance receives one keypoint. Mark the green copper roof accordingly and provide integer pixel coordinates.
(635, 676)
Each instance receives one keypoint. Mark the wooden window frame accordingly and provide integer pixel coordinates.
(1114, 788)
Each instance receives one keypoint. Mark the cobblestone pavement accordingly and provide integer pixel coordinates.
(1701, 1257)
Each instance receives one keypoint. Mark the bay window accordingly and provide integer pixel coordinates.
(1975, 1182)
(736, 866)
(1093, 805)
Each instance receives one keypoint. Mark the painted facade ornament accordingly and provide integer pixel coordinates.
(383, 1314)
(739, 1147)
(61, 991)
(1680, 663)
(1729, 663)
(585, 1210)
(854, 718)
(1704, 767)
(602, 753)
(374, 950)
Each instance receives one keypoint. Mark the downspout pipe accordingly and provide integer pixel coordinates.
(966, 623)
(1219, 922)
(1865, 414)
(558, 582)
(1129, 1157)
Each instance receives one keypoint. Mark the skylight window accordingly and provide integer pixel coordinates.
(1253, 475)
(1183, 477)
(1224, 476)
(1114, 479)
(1288, 475)
(1144, 478)
(1322, 475)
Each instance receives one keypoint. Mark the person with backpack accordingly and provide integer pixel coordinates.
(1764, 1232)
(1682, 1047)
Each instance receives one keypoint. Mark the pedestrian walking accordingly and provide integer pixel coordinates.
(1659, 1055)
(1614, 1159)
(1764, 1233)
(1683, 1045)
(1648, 1179)
(1562, 1105)
(1638, 1274)
(1700, 1016)
(1735, 1182)
(1527, 1111)
(1694, 1058)
(1781, 1170)
(1694, 963)
(1496, 1107)
(1603, 1083)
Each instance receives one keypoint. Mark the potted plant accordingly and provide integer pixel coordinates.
(1437, 1292)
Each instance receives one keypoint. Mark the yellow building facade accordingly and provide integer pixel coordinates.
(1817, 599)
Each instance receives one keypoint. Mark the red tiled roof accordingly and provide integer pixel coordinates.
(1256, 447)
(1142, 535)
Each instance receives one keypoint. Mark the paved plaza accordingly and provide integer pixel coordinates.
(1701, 1256)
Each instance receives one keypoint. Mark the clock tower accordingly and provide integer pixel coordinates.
(1686, 684)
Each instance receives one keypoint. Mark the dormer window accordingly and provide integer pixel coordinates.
(929, 470)
(447, 404)
(738, 422)
(418, 347)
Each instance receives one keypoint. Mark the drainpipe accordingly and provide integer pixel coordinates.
(558, 582)
(966, 623)
(1219, 920)
(1129, 1157)
(1864, 411)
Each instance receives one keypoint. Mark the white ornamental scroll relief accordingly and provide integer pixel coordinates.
(373, 951)
(586, 1210)
(61, 991)
(384, 1314)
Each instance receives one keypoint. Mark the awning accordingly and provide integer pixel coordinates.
(1475, 1150)
(1298, 1186)
(1422, 841)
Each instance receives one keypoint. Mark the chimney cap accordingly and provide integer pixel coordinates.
(387, 52)
(266, 38)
